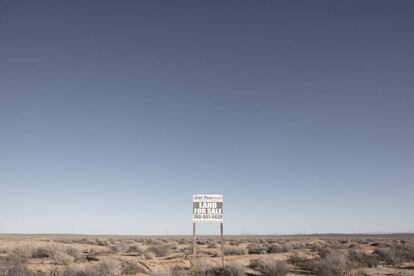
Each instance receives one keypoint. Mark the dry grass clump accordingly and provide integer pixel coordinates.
(269, 267)
(234, 250)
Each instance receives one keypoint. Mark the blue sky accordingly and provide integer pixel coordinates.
(112, 114)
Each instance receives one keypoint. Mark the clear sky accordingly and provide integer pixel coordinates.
(113, 113)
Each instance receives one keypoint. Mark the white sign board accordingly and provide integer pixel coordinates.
(207, 208)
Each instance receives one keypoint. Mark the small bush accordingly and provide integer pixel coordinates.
(57, 253)
(135, 249)
(270, 267)
(227, 270)
(333, 263)
(106, 267)
(303, 263)
(359, 258)
(279, 248)
(72, 251)
(162, 249)
(234, 250)
(102, 242)
(40, 253)
(386, 255)
(255, 248)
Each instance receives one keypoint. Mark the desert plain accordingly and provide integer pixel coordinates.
(81, 255)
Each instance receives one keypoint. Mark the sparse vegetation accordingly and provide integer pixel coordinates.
(160, 256)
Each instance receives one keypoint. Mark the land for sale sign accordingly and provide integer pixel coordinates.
(207, 208)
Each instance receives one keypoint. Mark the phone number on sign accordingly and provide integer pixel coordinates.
(207, 216)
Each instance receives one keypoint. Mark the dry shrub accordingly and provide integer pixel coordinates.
(405, 252)
(333, 263)
(359, 258)
(102, 242)
(270, 267)
(232, 269)
(201, 241)
(167, 271)
(234, 243)
(72, 251)
(213, 252)
(234, 250)
(3, 250)
(115, 248)
(235, 269)
(107, 267)
(256, 248)
(149, 255)
(104, 268)
(161, 250)
(135, 248)
(14, 265)
(24, 251)
(58, 254)
(183, 241)
(304, 264)
(72, 270)
(279, 248)
(212, 244)
(132, 268)
(395, 254)
(386, 255)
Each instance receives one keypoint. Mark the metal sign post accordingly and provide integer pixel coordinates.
(208, 208)
(194, 240)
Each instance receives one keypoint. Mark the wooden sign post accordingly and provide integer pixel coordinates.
(208, 208)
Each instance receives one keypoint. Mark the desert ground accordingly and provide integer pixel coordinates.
(79, 255)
